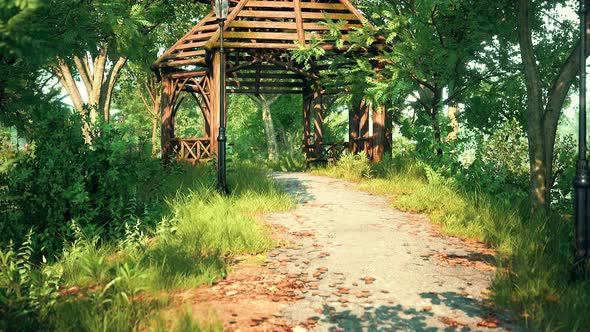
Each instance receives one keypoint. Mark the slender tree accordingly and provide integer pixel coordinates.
(548, 82)
(265, 104)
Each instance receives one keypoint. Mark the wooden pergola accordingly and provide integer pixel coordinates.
(258, 36)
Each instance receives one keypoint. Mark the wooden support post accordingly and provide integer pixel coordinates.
(364, 111)
(318, 123)
(354, 120)
(379, 140)
(299, 23)
(206, 122)
(306, 139)
(388, 132)
(167, 118)
(215, 103)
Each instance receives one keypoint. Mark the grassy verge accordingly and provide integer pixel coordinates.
(121, 286)
(534, 256)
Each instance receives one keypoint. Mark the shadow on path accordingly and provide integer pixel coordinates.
(295, 187)
(398, 318)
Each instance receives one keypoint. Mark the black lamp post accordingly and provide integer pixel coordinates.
(582, 179)
(221, 9)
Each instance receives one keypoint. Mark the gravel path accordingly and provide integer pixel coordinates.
(368, 267)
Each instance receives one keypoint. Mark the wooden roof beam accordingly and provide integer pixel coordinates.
(289, 67)
(181, 41)
(230, 18)
(299, 22)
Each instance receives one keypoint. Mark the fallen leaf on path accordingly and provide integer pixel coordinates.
(489, 322)
(451, 322)
(427, 308)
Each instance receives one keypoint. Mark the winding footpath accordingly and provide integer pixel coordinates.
(368, 267)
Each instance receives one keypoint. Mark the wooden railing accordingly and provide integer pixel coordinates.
(194, 150)
(329, 151)
(364, 144)
(334, 151)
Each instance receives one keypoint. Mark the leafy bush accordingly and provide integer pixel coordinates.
(27, 293)
(498, 166)
(102, 186)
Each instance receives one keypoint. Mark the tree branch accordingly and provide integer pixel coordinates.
(82, 70)
(111, 80)
(62, 71)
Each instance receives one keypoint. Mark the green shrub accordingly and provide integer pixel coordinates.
(28, 293)
(103, 186)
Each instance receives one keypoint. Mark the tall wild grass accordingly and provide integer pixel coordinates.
(107, 285)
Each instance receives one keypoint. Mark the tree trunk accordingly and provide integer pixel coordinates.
(106, 92)
(269, 128)
(154, 137)
(67, 81)
(284, 139)
(452, 115)
(436, 101)
(99, 81)
(542, 119)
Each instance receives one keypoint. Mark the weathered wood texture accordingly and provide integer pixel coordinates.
(364, 109)
(379, 131)
(354, 120)
(307, 110)
(319, 109)
(194, 150)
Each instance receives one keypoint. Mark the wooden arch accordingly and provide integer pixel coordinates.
(258, 36)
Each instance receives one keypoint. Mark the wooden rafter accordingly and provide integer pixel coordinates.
(259, 26)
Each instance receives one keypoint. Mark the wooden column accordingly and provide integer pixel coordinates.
(202, 101)
(354, 120)
(379, 130)
(167, 118)
(318, 123)
(215, 91)
(206, 123)
(364, 111)
(307, 108)
(388, 131)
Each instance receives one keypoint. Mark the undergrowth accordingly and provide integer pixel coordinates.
(102, 285)
(534, 257)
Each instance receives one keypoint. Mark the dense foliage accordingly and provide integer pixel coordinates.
(102, 186)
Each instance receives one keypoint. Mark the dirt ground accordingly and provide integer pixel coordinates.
(349, 262)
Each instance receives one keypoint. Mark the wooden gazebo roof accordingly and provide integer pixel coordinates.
(258, 35)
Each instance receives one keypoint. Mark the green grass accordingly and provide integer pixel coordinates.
(534, 257)
(119, 286)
